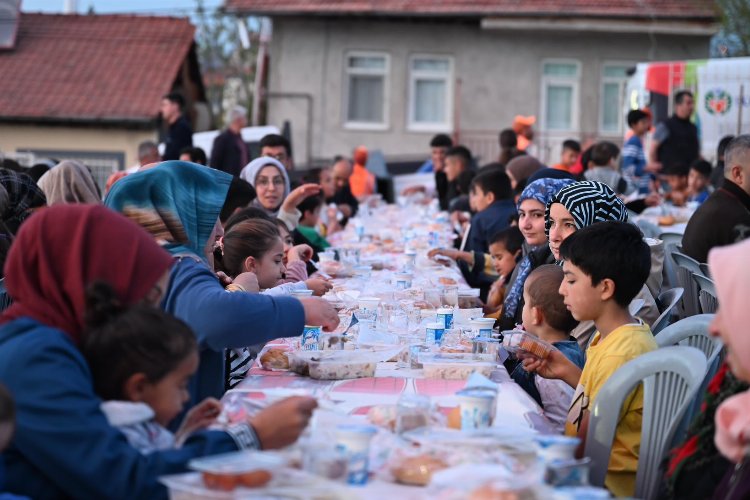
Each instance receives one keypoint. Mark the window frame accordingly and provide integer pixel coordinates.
(413, 77)
(623, 84)
(574, 82)
(386, 75)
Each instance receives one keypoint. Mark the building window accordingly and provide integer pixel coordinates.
(614, 79)
(430, 93)
(367, 89)
(560, 82)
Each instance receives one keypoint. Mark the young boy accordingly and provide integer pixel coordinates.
(698, 181)
(545, 316)
(677, 180)
(571, 150)
(308, 224)
(633, 154)
(602, 168)
(606, 264)
(492, 198)
(505, 252)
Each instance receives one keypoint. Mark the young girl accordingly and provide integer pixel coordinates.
(141, 359)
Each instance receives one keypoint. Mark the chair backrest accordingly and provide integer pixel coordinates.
(707, 299)
(705, 269)
(667, 302)
(686, 267)
(635, 306)
(672, 242)
(692, 332)
(670, 378)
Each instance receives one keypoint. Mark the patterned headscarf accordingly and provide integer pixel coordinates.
(23, 195)
(178, 202)
(588, 202)
(542, 191)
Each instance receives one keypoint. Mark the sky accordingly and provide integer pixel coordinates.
(159, 7)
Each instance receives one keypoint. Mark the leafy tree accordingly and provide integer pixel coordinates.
(734, 39)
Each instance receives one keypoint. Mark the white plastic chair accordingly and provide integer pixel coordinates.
(693, 332)
(706, 270)
(672, 242)
(667, 301)
(706, 294)
(686, 267)
(670, 377)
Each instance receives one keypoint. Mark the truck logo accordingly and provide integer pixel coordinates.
(718, 102)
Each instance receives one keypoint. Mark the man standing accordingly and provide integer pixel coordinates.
(179, 133)
(277, 146)
(229, 152)
(675, 143)
(724, 218)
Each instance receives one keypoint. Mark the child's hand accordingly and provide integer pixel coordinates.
(300, 252)
(451, 253)
(248, 281)
(199, 417)
(281, 423)
(556, 366)
(319, 286)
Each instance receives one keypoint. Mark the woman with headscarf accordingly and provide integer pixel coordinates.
(520, 168)
(69, 182)
(270, 180)
(179, 204)
(536, 252)
(580, 205)
(63, 446)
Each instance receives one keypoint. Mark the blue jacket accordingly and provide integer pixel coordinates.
(487, 223)
(63, 445)
(223, 320)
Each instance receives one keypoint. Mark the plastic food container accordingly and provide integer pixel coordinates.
(454, 366)
(468, 298)
(517, 341)
(248, 469)
(341, 369)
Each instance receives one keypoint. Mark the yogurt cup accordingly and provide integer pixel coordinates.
(553, 447)
(310, 337)
(482, 327)
(434, 332)
(354, 442)
(476, 408)
(445, 316)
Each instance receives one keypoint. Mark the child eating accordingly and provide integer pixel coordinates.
(545, 316)
(698, 181)
(141, 360)
(605, 265)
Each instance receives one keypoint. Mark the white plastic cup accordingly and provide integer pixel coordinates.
(482, 327)
(402, 281)
(476, 410)
(369, 303)
(326, 256)
(445, 316)
(434, 333)
(354, 441)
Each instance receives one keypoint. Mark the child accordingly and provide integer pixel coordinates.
(141, 359)
(633, 154)
(602, 168)
(571, 150)
(492, 197)
(308, 231)
(545, 316)
(677, 180)
(605, 266)
(505, 250)
(698, 181)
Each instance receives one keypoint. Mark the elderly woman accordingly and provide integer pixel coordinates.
(179, 204)
(63, 446)
(274, 194)
(69, 182)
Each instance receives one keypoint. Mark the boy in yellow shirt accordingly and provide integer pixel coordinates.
(605, 266)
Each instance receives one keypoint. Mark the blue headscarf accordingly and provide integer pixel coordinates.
(542, 190)
(177, 202)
